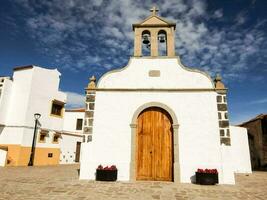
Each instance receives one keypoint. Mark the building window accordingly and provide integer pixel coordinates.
(79, 124)
(56, 138)
(42, 136)
(226, 115)
(57, 108)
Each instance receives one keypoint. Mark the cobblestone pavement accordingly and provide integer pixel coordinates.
(61, 182)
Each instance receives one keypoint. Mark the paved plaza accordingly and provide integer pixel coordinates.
(61, 182)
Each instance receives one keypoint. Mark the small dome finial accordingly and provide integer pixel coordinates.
(92, 82)
(218, 82)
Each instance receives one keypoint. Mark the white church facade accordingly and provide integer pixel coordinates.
(156, 119)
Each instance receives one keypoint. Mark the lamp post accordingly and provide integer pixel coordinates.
(36, 117)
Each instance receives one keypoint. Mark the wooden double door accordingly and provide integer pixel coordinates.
(154, 145)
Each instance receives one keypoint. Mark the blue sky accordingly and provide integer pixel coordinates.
(90, 37)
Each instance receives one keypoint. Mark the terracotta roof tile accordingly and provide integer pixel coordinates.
(75, 110)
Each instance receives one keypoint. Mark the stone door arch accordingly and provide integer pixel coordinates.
(133, 125)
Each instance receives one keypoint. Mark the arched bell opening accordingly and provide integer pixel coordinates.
(162, 43)
(146, 43)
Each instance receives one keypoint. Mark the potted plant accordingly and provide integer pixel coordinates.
(106, 173)
(207, 176)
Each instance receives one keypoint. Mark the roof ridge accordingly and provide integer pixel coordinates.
(259, 116)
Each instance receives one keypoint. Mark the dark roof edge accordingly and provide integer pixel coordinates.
(23, 67)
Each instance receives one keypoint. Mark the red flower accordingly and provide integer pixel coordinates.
(112, 167)
(208, 171)
(100, 167)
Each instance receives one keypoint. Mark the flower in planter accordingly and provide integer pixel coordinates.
(207, 171)
(207, 176)
(100, 167)
(111, 168)
(106, 173)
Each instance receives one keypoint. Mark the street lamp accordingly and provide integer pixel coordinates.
(36, 117)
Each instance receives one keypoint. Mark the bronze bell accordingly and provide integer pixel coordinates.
(145, 39)
(162, 38)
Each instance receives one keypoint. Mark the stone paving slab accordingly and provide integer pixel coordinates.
(61, 182)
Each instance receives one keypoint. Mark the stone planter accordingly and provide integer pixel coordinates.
(106, 175)
(206, 178)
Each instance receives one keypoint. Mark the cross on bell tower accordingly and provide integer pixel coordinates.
(154, 36)
(154, 10)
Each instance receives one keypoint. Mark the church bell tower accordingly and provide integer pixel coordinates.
(154, 36)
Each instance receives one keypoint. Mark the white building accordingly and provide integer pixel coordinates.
(156, 119)
(72, 136)
(32, 90)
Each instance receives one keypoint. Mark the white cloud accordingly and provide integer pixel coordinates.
(75, 100)
(241, 18)
(218, 13)
(81, 34)
(259, 101)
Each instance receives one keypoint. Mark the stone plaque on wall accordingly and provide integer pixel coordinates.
(154, 73)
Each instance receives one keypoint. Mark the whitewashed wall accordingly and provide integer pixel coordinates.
(6, 90)
(32, 92)
(240, 150)
(27, 139)
(24, 136)
(3, 154)
(70, 120)
(44, 89)
(68, 148)
(11, 135)
(19, 99)
(68, 142)
(172, 75)
(227, 176)
(199, 140)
